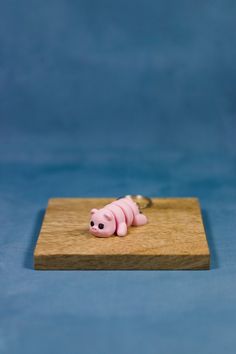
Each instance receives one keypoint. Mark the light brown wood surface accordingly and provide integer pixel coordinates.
(174, 238)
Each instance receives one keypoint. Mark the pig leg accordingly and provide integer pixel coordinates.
(122, 229)
(139, 219)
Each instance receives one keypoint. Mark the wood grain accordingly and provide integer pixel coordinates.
(174, 238)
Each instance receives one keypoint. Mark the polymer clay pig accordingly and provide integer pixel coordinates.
(115, 218)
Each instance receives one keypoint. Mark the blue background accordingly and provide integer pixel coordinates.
(105, 98)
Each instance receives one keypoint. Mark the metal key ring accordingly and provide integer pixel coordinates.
(142, 201)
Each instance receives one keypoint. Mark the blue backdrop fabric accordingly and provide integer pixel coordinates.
(105, 98)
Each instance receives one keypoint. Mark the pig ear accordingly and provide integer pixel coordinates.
(93, 211)
(108, 215)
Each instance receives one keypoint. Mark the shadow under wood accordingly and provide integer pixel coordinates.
(29, 255)
(210, 239)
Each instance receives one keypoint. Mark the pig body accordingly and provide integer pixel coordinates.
(115, 218)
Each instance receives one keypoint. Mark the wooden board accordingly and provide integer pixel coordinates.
(174, 238)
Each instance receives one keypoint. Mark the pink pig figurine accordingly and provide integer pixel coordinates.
(115, 218)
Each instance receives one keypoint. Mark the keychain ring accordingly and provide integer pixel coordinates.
(142, 201)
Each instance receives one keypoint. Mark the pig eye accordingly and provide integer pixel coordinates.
(101, 226)
(91, 223)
